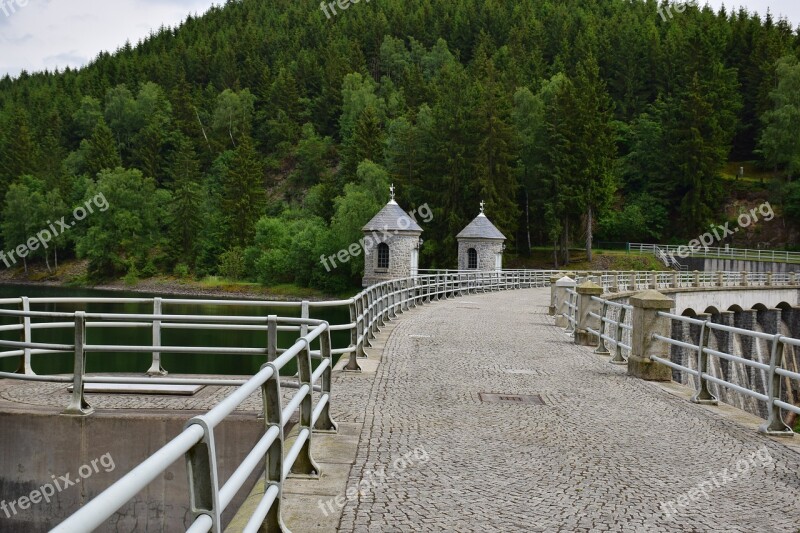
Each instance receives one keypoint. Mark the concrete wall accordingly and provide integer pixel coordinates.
(766, 317)
(487, 250)
(735, 265)
(38, 445)
(401, 247)
(726, 298)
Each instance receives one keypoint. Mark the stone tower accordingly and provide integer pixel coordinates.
(480, 245)
(391, 245)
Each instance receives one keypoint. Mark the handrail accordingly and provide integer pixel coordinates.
(745, 254)
(369, 310)
(197, 442)
(606, 320)
(775, 370)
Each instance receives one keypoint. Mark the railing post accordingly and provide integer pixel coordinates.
(743, 281)
(273, 411)
(352, 363)
(646, 322)
(562, 299)
(614, 282)
(775, 426)
(618, 359)
(702, 395)
(360, 326)
(201, 467)
(304, 315)
(553, 290)
(393, 287)
(793, 278)
(585, 306)
(367, 312)
(272, 338)
(769, 279)
(25, 366)
(155, 367)
(695, 279)
(653, 281)
(720, 278)
(324, 421)
(78, 405)
(602, 349)
(305, 465)
(674, 280)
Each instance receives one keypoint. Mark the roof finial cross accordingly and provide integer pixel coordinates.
(483, 206)
(391, 190)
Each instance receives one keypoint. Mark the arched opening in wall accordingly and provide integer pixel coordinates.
(383, 256)
(689, 312)
(786, 317)
(472, 259)
(759, 307)
(711, 310)
(736, 308)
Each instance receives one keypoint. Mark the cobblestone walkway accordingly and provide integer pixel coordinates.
(602, 453)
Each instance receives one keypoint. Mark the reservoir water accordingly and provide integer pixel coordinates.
(62, 363)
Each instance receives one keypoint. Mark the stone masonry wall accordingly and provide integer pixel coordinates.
(401, 246)
(487, 249)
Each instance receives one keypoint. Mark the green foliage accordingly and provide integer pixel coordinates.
(120, 238)
(551, 112)
(780, 139)
(232, 264)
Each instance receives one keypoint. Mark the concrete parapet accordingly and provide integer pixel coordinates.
(585, 306)
(646, 323)
(562, 299)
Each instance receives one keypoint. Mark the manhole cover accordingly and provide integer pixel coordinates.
(519, 399)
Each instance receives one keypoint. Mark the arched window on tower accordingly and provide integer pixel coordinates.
(472, 259)
(383, 255)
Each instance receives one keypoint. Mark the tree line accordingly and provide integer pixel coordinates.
(252, 140)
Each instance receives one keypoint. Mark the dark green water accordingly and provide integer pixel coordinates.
(139, 363)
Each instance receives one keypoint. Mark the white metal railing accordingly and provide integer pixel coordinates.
(368, 311)
(669, 251)
(209, 497)
(775, 371)
(615, 326)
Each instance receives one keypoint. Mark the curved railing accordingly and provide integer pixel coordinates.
(608, 320)
(210, 498)
(369, 310)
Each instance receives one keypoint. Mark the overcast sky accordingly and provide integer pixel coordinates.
(46, 34)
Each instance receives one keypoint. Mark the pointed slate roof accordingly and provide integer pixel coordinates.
(481, 228)
(392, 218)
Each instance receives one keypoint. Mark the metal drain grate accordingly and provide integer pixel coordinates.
(518, 399)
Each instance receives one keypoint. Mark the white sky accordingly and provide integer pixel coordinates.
(45, 34)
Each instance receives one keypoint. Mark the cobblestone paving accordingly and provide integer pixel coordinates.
(602, 453)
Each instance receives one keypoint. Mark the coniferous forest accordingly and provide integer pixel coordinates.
(252, 140)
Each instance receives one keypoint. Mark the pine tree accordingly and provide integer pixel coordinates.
(103, 153)
(243, 192)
